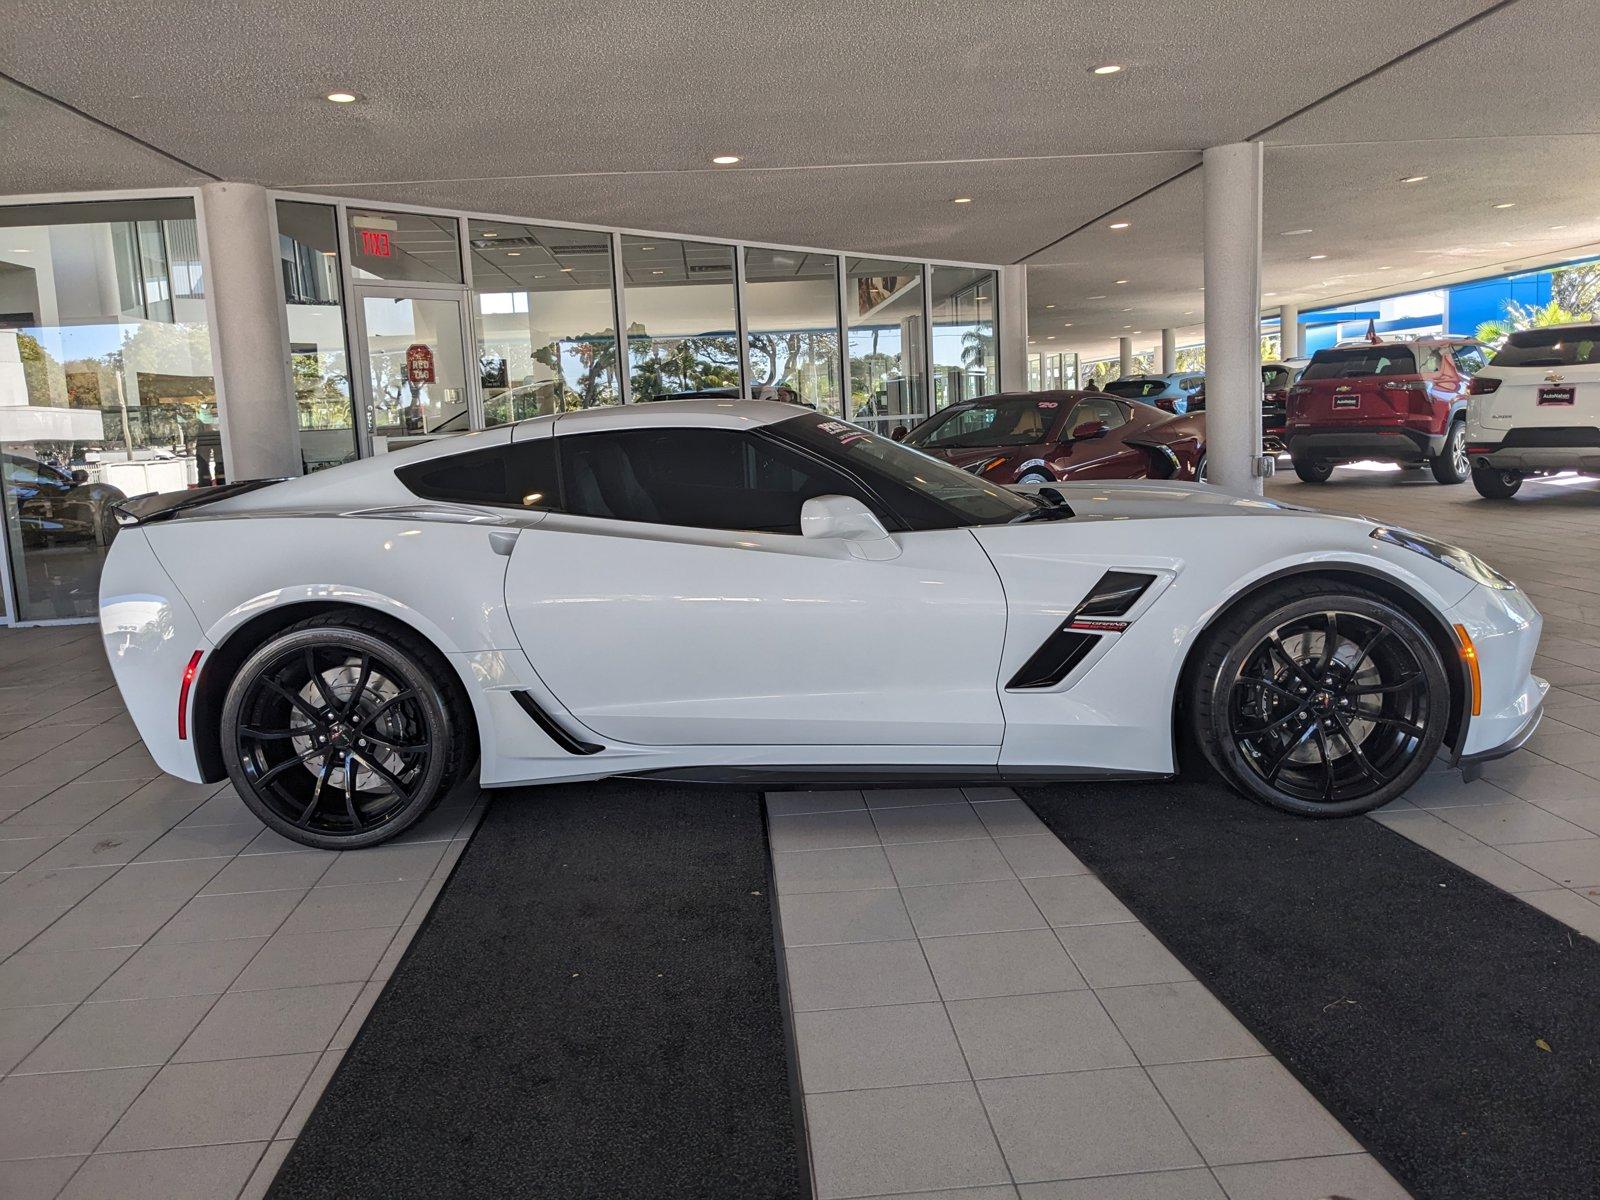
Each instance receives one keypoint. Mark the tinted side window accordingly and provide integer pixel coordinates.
(519, 475)
(705, 478)
(1107, 412)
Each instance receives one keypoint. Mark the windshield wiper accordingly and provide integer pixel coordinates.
(1053, 506)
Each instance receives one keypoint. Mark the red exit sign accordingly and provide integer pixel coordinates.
(375, 242)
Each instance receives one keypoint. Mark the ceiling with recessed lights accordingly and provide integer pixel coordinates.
(867, 142)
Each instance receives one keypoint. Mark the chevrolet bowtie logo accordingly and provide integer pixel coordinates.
(1553, 377)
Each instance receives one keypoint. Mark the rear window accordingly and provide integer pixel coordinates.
(1136, 389)
(1351, 361)
(1550, 348)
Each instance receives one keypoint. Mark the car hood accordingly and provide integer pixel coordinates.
(1125, 500)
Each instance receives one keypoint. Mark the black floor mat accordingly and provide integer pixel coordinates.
(1408, 995)
(593, 1009)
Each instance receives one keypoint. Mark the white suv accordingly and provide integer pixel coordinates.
(1535, 409)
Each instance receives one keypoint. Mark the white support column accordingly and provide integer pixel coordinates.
(1125, 356)
(1289, 331)
(249, 334)
(1233, 315)
(1013, 331)
(1169, 351)
(1077, 370)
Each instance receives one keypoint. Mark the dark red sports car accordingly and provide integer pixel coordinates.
(1037, 437)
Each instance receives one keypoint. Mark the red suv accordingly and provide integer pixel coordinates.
(1403, 402)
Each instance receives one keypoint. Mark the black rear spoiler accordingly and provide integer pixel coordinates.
(163, 506)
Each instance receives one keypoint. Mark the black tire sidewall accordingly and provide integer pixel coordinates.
(1444, 465)
(1217, 736)
(1313, 472)
(1491, 483)
(1035, 477)
(417, 676)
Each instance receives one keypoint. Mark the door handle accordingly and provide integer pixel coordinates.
(503, 541)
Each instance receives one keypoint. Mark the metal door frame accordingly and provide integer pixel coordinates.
(361, 381)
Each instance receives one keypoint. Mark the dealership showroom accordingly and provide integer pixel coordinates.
(935, 600)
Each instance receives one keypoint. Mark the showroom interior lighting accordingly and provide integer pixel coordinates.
(962, 200)
(1121, 224)
(1296, 232)
(1507, 204)
(1107, 69)
(1318, 257)
(342, 97)
(1413, 179)
(725, 160)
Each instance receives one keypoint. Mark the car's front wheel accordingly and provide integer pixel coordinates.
(1036, 477)
(341, 733)
(1313, 472)
(1318, 700)
(1493, 484)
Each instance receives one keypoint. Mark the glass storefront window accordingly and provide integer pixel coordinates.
(308, 255)
(418, 373)
(966, 348)
(404, 247)
(682, 319)
(883, 305)
(1035, 375)
(792, 318)
(545, 319)
(106, 387)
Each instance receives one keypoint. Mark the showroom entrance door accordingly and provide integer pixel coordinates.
(414, 364)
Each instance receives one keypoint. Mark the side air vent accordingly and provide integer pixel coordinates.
(1111, 598)
(555, 733)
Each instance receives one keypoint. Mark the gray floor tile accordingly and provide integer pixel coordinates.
(95, 924)
(210, 1103)
(16, 853)
(1582, 811)
(36, 1178)
(1178, 1022)
(266, 1170)
(239, 915)
(354, 906)
(179, 969)
(845, 870)
(306, 959)
(95, 850)
(294, 1121)
(21, 1029)
(385, 864)
(1573, 908)
(928, 823)
(41, 887)
(1468, 853)
(787, 804)
(201, 841)
(56, 976)
(880, 798)
(1249, 1110)
(1196, 1184)
(175, 880)
(1037, 1034)
(1039, 855)
(1513, 822)
(1357, 1176)
(287, 1020)
(1010, 818)
(64, 1114)
(889, 1046)
(853, 976)
(994, 907)
(192, 1173)
(356, 1017)
(973, 965)
(1090, 1123)
(1536, 779)
(1571, 864)
(270, 873)
(1116, 955)
(901, 1140)
(123, 1033)
(1076, 900)
(971, 861)
(988, 795)
(19, 926)
(832, 917)
(822, 831)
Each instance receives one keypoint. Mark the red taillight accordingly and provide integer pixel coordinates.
(189, 673)
(1481, 386)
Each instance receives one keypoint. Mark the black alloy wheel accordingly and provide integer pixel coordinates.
(338, 738)
(1327, 705)
(1452, 465)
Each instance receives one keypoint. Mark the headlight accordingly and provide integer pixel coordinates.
(1463, 562)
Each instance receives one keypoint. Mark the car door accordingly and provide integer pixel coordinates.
(1105, 455)
(673, 601)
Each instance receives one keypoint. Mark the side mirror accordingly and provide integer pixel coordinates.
(899, 433)
(1089, 429)
(80, 476)
(850, 521)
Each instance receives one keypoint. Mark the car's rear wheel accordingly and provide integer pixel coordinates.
(1493, 484)
(1200, 470)
(1036, 477)
(1450, 465)
(1313, 472)
(340, 733)
(1320, 701)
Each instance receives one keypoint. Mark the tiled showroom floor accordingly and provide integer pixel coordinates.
(973, 1007)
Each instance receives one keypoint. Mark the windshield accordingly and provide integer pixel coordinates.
(1274, 379)
(1551, 348)
(924, 491)
(1350, 361)
(1136, 389)
(1021, 422)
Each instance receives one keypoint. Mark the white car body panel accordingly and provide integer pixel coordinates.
(1515, 404)
(676, 648)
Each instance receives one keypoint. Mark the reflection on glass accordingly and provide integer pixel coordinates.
(106, 388)
(308, 254)
(792, 316)
(419, 379)
(545, 319)
(1035, 373)
(883, 305)
(966, 350)
(682, 324)
(404, 247)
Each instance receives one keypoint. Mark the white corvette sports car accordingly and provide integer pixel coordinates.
(743, 590)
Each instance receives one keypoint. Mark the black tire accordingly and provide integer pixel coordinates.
(1312, 472)
(1493, 484)
(1377, 707)
(1200, 470)
(1036, 477)
(402, 725)
(1451, 464)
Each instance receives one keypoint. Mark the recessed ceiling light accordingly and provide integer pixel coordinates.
(658, 272)
(19, 250)
(1121, 224)
(1296, 232)
(1066, 324)
(1385, 268)
(342, 97)
(490, 233)
(962, 200)
(1097, 297)
(1049, 305)
(1507, 204)
(1049, 337)
(1558, 227)
(1413, 179)
(1318, 257)
(1138, 331)
(725, 160)
(567, 270)
(1188, 312)
(513, 253)
(1127, 326)
(1122, 281)
(1107, 69)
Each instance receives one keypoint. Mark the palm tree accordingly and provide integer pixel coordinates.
(1523, 316)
